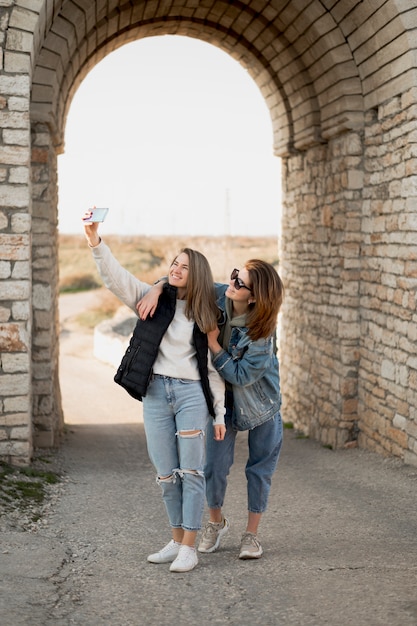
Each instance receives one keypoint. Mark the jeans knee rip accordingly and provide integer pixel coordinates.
(190, 434)
(165, 479)
(180, 473)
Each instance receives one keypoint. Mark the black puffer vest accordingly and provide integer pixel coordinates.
(135, 370)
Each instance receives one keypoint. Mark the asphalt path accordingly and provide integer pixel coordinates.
(339, 538)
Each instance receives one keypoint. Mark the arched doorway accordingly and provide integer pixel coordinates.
(339, 85)
(296, 123)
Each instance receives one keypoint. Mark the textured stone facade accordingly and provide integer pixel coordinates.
(339, 80)
(388, 366)
(321, 265)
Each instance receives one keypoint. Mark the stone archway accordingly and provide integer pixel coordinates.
(338, 79)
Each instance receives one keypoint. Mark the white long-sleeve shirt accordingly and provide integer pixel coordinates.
(176, 355)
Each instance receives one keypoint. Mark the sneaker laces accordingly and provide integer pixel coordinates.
(213, 528)
(249, 539)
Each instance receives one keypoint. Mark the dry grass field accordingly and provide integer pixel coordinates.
(148, 258)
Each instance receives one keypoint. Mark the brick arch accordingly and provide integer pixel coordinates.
(311, 93)
(339, 81)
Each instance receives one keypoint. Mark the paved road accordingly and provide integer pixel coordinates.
(340, 536)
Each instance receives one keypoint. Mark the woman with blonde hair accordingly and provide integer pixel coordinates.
(243, 349)
(168, 367)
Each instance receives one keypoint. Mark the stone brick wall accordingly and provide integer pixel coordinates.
(388, 364)
(15, 262)
(46, 405)
(320, 252)
(349, 257)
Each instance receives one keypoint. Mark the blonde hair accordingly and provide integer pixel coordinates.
(200, 296)
(268, 293)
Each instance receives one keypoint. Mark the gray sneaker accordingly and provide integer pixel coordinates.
(250, 548)
(212, 534)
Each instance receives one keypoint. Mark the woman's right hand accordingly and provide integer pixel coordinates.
(91, 230)
(212, 338)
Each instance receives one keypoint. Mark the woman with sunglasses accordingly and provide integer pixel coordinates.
(244, 353)
(168, 366)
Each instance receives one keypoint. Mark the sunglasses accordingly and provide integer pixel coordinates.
(238, 284)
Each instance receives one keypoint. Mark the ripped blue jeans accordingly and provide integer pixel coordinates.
(171, 407)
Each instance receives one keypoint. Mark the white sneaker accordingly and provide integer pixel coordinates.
(185, 561)
(167, 554)
(212, 534)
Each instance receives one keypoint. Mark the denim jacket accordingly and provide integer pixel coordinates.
(252, 368)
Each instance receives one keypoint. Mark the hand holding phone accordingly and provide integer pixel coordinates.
(96, 215)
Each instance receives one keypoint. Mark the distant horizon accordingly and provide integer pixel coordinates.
(166, 236)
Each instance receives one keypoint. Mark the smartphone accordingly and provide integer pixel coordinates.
(98, 215)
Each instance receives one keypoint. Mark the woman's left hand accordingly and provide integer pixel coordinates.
(219, 432)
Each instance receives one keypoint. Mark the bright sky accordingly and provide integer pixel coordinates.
(174, 137)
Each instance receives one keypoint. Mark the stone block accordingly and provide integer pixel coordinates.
(13, 338)
(19, 41)
(348, 330)
(16, 138)
(410, 457)
(4, 314)
(354, 144)
(23, 19)
(15, 384)
(21, 269)
(17, 103)
(409, 187)
(390, 108)
(42, 297)
(21, 311)
(409, 98)
(15, 196)
(18, 404)
(17, 62)
(400, 422)
(19, 175)
(42, 371)
(14, 156)
(44, 439)
(15, 86)
(21, 222)
(15, 419)
(397, 436)
(20, 433)
(17, 449)
(15, 290)
(411, 428)
(412, 362)
(15, 362)
(5, 270)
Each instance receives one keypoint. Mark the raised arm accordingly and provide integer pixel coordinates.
(91, 230)
(116, 278)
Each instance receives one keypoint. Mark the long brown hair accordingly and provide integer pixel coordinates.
(268, 293)
(200, 296)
